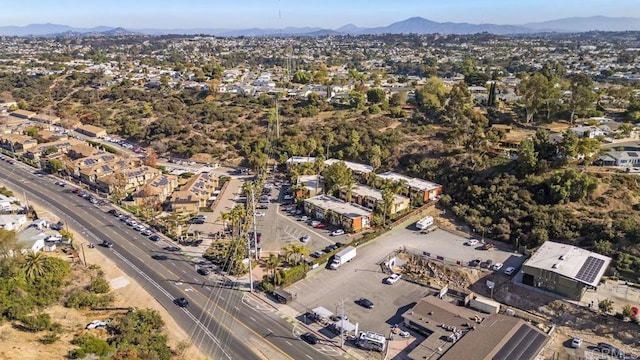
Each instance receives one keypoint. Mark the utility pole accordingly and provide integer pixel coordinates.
(83, 255)
(255, 232)
(277, 119)
(250, 272)
(342, 323)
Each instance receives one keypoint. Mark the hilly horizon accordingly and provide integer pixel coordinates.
(413, 25)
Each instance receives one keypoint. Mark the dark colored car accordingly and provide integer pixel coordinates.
(197, 221)
(182, 302)
(58, 226)
(154, 238)
(365, 303)
(474, 263)
(172, 248)
(159, 257)
(106, 244)
(310, 338)
(204, 271)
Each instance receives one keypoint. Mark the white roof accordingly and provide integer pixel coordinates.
(570, 261)
(368, 191)
(301, 159)
(355, 167)
(412, 182)
(338, 206)
(322, 312)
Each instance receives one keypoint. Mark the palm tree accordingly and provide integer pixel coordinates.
(288, 252)
(387, 202)
(299, 251)
(34, 265)
(271, 264)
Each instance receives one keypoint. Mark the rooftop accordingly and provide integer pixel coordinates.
(570, 261)
(412, 182)
(355, 167)
(300, 160)
(338, 206)
(368, 191)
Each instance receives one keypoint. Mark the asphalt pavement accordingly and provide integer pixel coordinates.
(224, 323)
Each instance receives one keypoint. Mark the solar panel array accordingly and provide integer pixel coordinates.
(523, 345)
(89, 162)
(633, 154)
(590, 269)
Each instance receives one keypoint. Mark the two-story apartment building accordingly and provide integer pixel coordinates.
(194, 194)
(17, 143)
(414, 187)
(159, 188)
(351, 217)
(371, 198)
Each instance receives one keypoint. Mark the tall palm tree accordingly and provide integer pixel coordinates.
(271, 264)
(387, 203)
(34, 265)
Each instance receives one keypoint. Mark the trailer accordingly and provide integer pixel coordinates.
(424, 223)
(344, 256)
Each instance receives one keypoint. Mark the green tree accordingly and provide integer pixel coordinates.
(582, 95)
(534, 90)
(376, 95)
(8, 243)
(398, 99)
(336, 176)
(527, 157)
(34, 265)
(356, 99)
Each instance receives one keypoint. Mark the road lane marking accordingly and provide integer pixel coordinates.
(290, 344)
(252, 319)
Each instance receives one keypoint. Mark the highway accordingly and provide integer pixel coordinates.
(222, 322)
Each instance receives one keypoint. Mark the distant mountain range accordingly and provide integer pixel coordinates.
(414, 25)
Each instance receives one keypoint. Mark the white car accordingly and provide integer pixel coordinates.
(315, 223)
(260, 213)
(510, 270)
(96, 324)
(288, 197)
(139, 228)
(392, 279)
(337, 232)
(472, 242)
(497, 266)
(305, 238)
(304, 218)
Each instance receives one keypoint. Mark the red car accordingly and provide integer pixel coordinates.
(76, 191)
(321, 226)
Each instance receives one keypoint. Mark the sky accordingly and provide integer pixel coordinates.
(330, 14)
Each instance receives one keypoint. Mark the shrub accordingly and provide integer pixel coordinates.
(291, 275)
(35, 323)
(49, 338)
(84, 299)
(89, 345)
(99, 285)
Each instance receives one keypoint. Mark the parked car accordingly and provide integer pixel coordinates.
(172, 248)
(497, 266)
(288, 197)
(154, 238)
(576, 343)
(58, 226)
(392, 279)
(309, 338)
(98, 324)
(262, 207)
(146, 232)
(182, 302)
(314, 223)
(305, 238)
(365, 303)
(472, 242)
(475, 262)
(510, 270)
(303, 218)
(337, 232)
(112, 212)
(321, 226)
(317, 254)
(260, 213)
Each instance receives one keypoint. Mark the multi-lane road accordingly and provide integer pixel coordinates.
(222, 322)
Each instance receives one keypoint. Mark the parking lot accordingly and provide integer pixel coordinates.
(363, 277)
(279, 227)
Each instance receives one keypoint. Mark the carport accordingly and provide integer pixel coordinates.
(347, 328)
(322, 314)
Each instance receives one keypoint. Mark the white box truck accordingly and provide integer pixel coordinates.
(424, 223)
(340, 258)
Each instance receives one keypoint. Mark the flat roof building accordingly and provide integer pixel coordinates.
(351, 217)
(426, 190)
(564, 269)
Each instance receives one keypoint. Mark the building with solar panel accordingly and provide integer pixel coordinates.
(564, 269)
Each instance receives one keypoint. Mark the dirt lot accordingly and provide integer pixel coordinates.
(15, 344)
